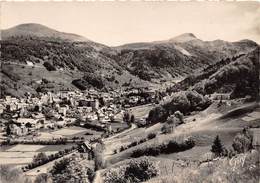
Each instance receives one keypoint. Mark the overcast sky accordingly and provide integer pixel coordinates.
(115, 23)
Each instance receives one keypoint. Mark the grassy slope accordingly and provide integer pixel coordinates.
(208, 124)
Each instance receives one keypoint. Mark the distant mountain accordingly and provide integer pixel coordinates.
(38, 30)
(177, 57)
(83, 63)
(58, 59)
(183, 38)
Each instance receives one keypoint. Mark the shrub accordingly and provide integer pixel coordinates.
(121, 148)
(242, 142)
(135, 172)
(180, 116)
(115, 176)
(167, 128)
(49, 66)
(41, 157)
(80, 84)
(142, 141)
(133, 144)
(42, 178)
(171, 147)
(151, 136)
(70, 170)
(140, 171)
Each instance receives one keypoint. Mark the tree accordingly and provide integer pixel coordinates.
(112, 119)
(132, 120)
(28, 125)
(242, 142)
(126, 117)
(59, 166)
(49, 66)
(158, 114)
(41, 157)
(151, 136)
(8, 130)
(101, 101)
(217, 147)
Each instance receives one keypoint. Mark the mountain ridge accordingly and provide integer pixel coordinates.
(131, 64)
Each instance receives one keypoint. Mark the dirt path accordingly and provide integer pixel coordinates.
(113, 142)
(109, 147)
(98, 177)
(133, 126)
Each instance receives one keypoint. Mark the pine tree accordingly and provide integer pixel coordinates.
(8, 130)
(126, 117)
(217, 147)
(132, 120)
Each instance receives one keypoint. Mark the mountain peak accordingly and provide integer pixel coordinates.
(184, 37)
(39, 30)
(29, 25)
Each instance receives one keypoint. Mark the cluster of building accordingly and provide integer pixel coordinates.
(50, 110)
(28, 115)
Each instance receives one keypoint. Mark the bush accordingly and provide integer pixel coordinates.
(171, 147)
(242, 142)
(115, 176)
(49, 66)
(122, 148)
(80, 84)
(180, 116)
(140, 171)
(135, 172)
(41, 157)
(42, 178)
(151, 136)
(70, 170)
(167, 128)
